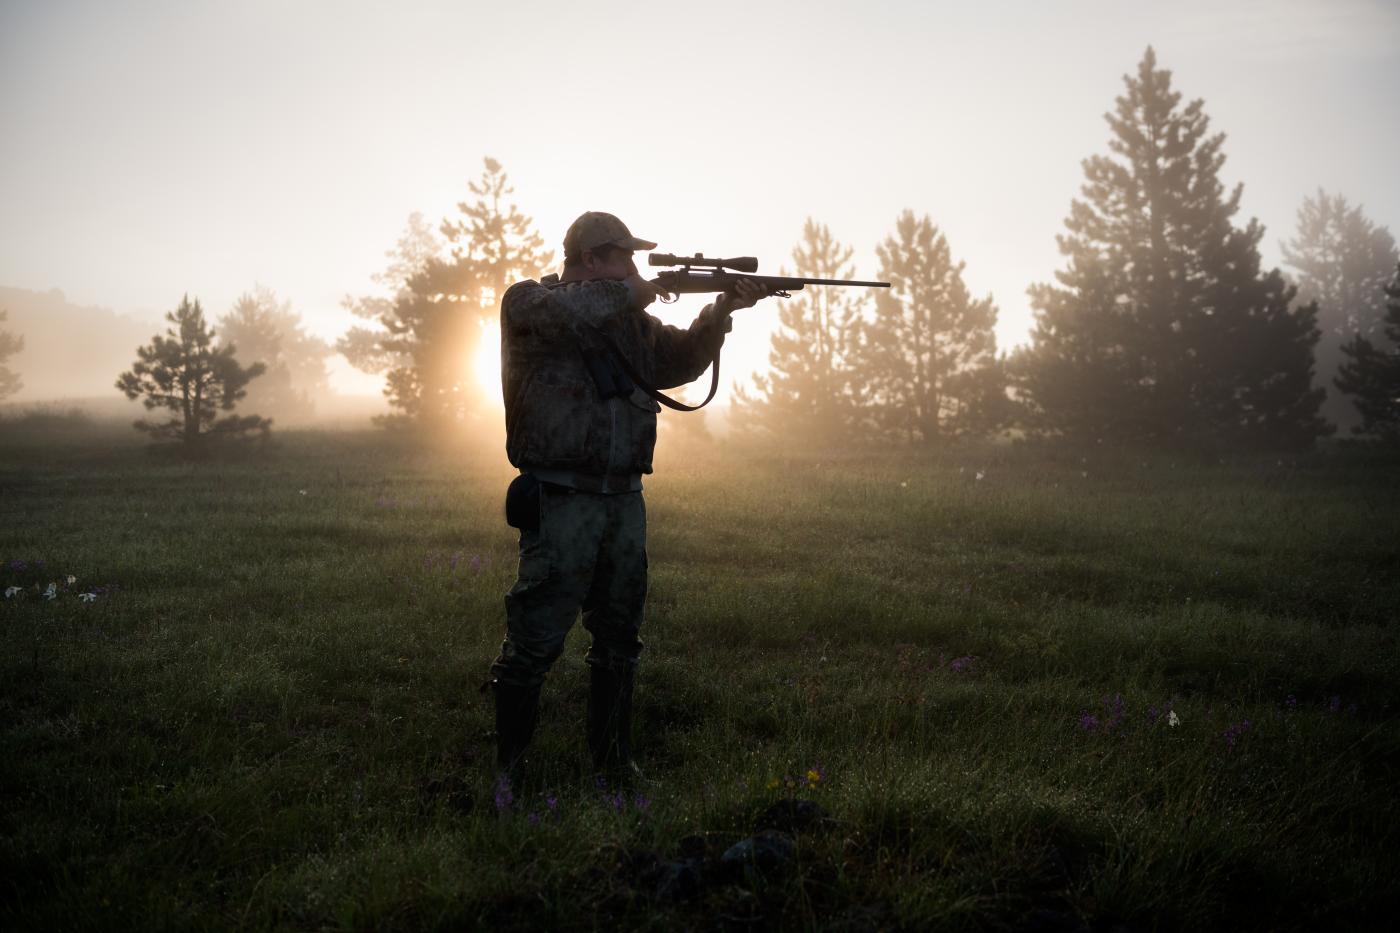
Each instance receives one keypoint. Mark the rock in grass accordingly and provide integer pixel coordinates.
(680, 881)
(792, 816)
(765, 852)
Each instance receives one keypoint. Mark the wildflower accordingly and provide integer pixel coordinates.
(51, 592)
(301, 491)
(1173, 719)
(1233, 733)
(504, 796)
(552, 803)
(87, 597)
(815, 775)
(962, 664)
(11, 591)
(904, 484)
(1153, 715)
(774, 784)
(1291, 704)
(1088, 721)
(1334, 705)
(477, 563)
(619, 802)
(980, 474)
(72, 579)
(641, 803)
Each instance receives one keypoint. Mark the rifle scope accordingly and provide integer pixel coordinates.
(738, 263)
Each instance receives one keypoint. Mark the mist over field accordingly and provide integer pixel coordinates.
(1043, 580)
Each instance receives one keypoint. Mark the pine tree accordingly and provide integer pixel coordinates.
(808, 393)
(1343, 262)
(184, 372)
(10, 382)
(929, 358)
(268, 331)
(1370, 373)
(445, 306)
(1162, 328)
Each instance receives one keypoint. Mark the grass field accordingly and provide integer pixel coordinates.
(1030, 690)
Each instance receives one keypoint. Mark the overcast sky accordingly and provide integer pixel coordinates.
(153, 149)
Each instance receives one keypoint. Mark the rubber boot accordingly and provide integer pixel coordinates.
(610, 723)
(517, 712)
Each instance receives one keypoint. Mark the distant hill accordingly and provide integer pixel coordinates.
(70, 351)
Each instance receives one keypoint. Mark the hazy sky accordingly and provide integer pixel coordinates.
(153, 149)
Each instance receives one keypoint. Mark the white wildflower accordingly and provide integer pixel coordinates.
(87, 597)
(1173, 719)
(302, 491)
(11, 591)
(51, 592)
(981, 473)
(72, 579)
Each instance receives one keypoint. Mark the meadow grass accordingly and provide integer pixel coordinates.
(267, 714)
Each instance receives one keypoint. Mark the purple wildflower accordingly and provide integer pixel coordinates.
(619, 802)
(456, 559)
(552, 803)
(1088, 721)
(1334, 705)
(477, 563)
(504, 796)
(1291, 703)
(962, 665)
(642, 803)
(1153, 715)
(1232, 734)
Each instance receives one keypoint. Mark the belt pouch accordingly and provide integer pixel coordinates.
(523, 503)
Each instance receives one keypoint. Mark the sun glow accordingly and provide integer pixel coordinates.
(486, 365)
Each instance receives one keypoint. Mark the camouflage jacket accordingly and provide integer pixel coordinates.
(555, 417)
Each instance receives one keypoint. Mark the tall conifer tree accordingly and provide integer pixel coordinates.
(445, 306)
(1370, 373)
(1162, 328)
(1343, 262)
(929, 357)
(808, 390)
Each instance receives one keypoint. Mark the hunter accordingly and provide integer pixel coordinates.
(581, 432)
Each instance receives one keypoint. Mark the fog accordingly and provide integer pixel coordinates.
(169, 149)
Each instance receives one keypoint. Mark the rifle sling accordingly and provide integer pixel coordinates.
(655, 394)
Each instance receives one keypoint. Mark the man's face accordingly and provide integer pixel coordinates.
(609, 263)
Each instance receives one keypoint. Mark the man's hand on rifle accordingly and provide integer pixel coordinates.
(746, 294)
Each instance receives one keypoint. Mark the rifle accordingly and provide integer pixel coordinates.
(687, 281)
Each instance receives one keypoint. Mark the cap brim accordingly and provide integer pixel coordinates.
(636, 243)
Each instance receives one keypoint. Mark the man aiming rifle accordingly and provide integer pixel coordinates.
(581, 366)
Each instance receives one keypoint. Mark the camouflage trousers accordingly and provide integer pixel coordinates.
(589, 553)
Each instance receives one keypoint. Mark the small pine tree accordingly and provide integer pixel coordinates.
(808, 392)
(1370, 373)
(184, 372)
(1162, 328)
(1343, 262)
(929, 357)
(10, 344)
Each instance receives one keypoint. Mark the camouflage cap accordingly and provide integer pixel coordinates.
(595, 229)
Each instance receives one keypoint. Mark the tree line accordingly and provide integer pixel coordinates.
(1161, 328)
